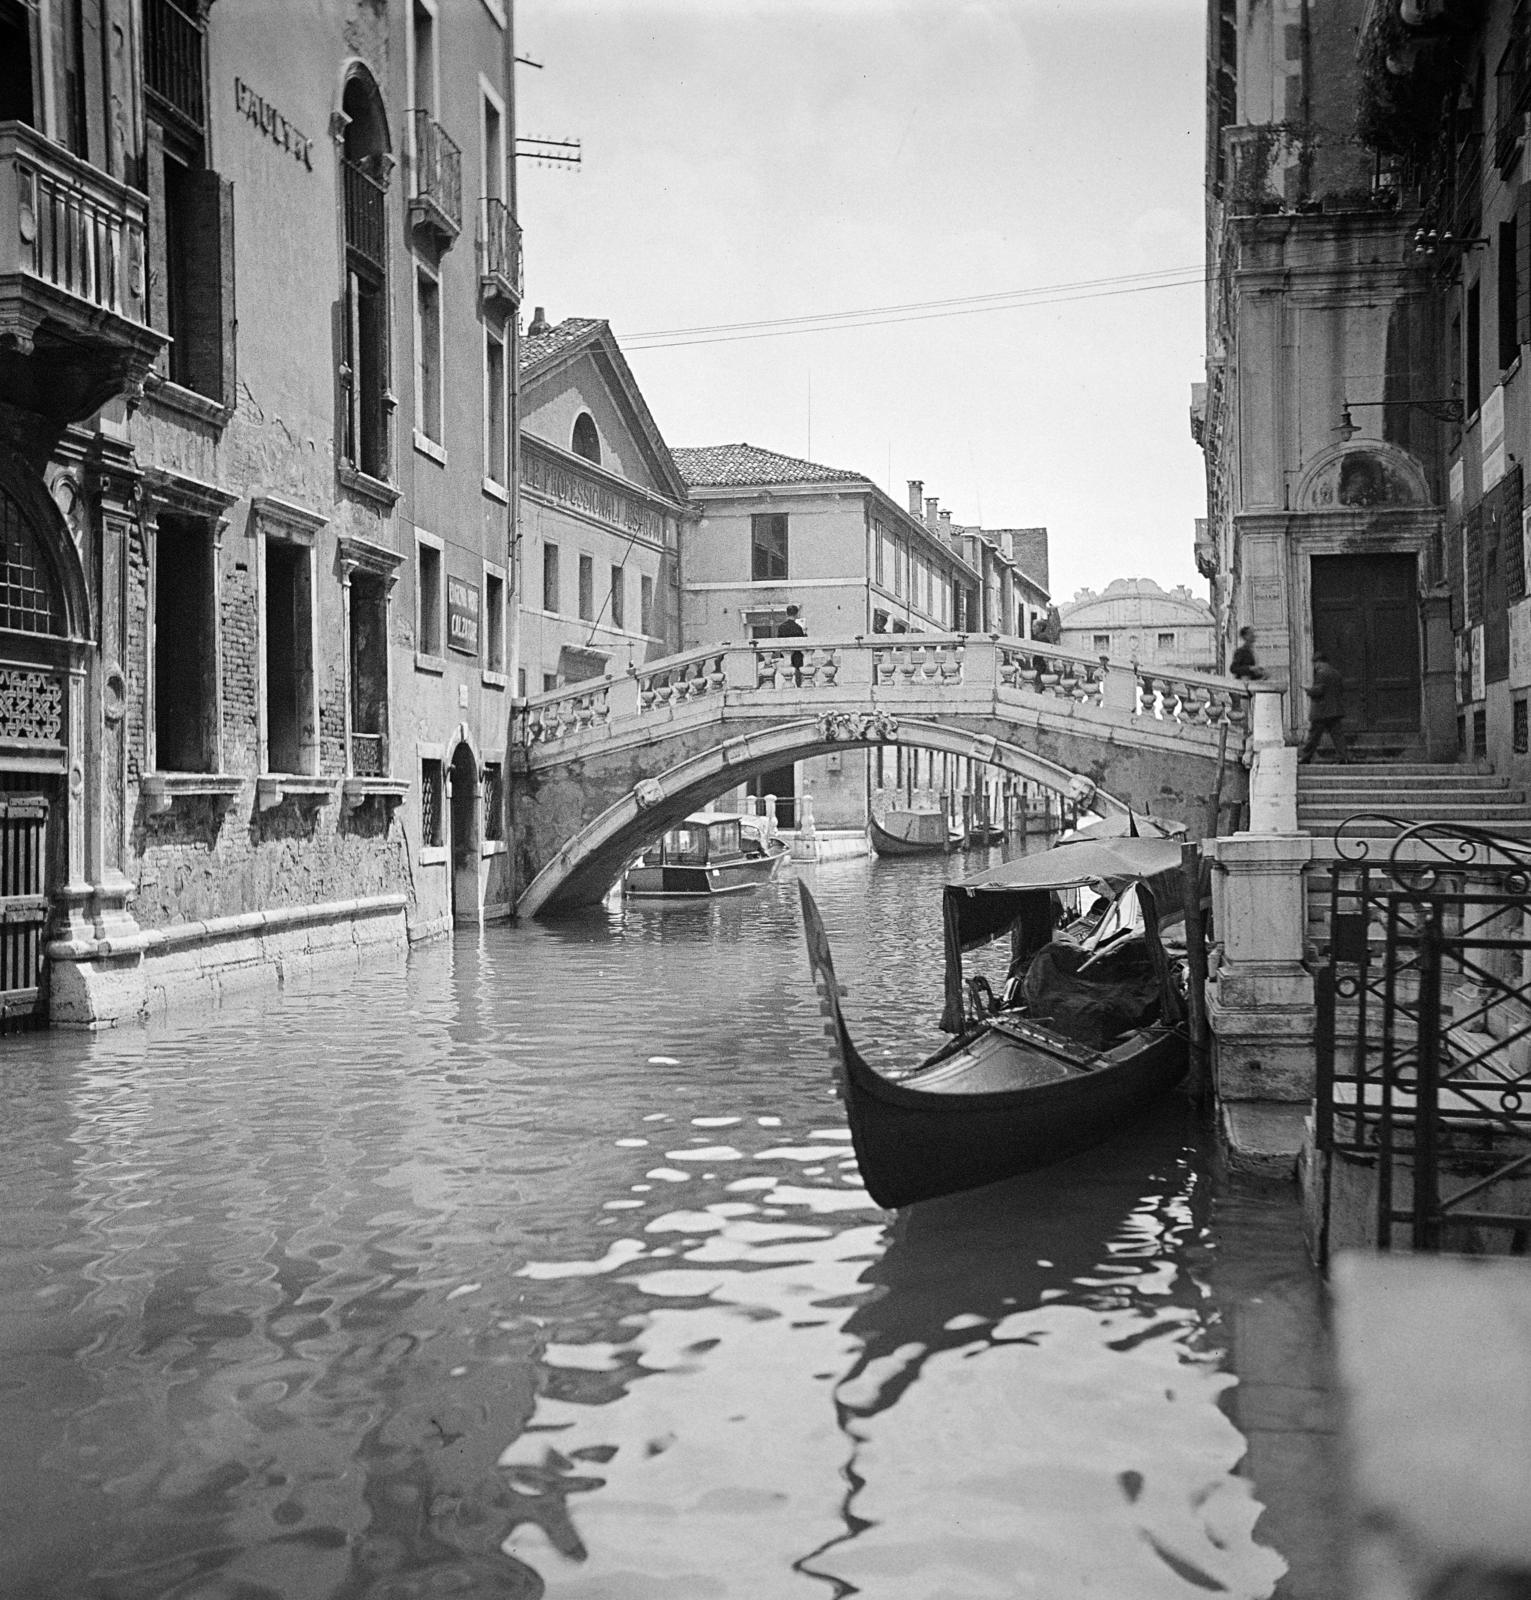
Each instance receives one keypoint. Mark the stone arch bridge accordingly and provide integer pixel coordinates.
(598, 769)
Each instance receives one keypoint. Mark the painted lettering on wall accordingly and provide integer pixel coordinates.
(273, 124)
(462, 616)
(594, 499)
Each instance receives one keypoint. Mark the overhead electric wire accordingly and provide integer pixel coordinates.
(918, 311)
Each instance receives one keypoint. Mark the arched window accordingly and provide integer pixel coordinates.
(29, 594)
(365, 165)
(587, 442)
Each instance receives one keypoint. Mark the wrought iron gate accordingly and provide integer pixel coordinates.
(23, 909)
(1424, 1032)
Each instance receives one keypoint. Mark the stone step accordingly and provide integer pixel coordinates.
(1343, 781)
(1366, 770)
(1315, 817)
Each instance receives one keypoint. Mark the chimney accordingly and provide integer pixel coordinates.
(539, 324)
(916, 489)
(946, 522)
(932, 519)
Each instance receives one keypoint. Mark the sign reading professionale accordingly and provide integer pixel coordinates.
(462, 616)
(271, 122)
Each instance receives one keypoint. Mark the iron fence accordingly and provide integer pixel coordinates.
(1424, 1030)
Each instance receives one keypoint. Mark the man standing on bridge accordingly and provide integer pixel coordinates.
(793, 629)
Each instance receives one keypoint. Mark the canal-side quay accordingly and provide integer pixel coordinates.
(521, 1267)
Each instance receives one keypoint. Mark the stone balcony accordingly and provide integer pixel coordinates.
(74, 308)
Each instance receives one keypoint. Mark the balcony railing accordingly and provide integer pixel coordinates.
(173, 60)
(70, 227)
(499, 241)
(366, 200)
(437, 199)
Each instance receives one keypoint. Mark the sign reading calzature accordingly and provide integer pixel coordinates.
(270, 121)
(462, 616)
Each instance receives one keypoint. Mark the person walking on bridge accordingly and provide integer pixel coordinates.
(793, 629)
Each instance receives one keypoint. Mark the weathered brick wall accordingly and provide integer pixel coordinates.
(201, 859)
(241, 685)
(332, 718)
(134, 669)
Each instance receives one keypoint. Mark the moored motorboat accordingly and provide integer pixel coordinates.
(1092, 1037)
(914, 833)
(710, 853)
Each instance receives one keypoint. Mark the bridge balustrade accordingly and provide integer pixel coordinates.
(921, 663)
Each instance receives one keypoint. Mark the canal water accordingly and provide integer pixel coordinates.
(539, 1264)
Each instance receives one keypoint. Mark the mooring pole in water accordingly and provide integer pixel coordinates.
(1198, 1084)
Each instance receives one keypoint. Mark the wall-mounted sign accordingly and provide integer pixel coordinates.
(273, 124)
(462, 616)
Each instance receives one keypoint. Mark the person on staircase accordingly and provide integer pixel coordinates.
(1326, 710)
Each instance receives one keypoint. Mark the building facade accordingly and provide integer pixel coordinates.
(772, 530)
(1133, 619)
(1325, 418)
(257, 329)
(601, 510)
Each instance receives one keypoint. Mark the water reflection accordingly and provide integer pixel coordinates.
(542, 1266)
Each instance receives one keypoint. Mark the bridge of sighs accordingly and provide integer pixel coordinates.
(598, 769)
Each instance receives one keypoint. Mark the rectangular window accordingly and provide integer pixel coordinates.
(431, 803)
(1480, 735)
(645, 604)
(494, 147)
(185, 647)
(1509, 295)
(431, 595)
(291, 722)
(494, 621)
(1101, 643)
(494, 801)
(428, 355)
(587, 589)
(550, 577)
(495, 467)
(1519, 732)
(1166, 641)
(1473, 355)
(549, 682)
(369, 676)
(423, 92)
(521, 682)
(618, 596)
(768, 548)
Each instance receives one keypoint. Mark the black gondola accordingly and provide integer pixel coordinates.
(1026, 1085)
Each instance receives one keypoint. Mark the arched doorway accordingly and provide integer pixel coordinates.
(35, 654)
(467, 848)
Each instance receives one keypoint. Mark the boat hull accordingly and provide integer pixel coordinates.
(680, 881)
(889, 843)
(1008, 1099)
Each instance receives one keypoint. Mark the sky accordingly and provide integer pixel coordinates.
(1023, 176)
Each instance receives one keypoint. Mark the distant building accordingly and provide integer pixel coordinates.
(601, 508)
(773, 530)
(1136, 620)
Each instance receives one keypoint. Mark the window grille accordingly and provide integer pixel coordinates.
(366, 202)
(430, 802)
(1521, 732)
(173, 61)
(28, 597)
(494, 801)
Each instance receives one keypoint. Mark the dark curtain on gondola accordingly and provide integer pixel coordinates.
(974, 917)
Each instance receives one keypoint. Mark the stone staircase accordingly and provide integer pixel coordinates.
(1411, 791)
(1385, 796)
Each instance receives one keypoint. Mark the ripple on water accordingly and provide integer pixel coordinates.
(408, 1283)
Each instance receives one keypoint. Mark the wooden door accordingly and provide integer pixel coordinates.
(1366, 617)
(23, 909)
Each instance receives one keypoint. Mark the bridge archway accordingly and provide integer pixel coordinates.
(601, 767)
(591, 860)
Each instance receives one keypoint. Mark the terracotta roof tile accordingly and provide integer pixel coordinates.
(738, 466)
(534, 351)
